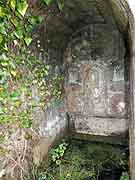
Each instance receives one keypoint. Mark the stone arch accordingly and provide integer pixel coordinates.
(60, 30)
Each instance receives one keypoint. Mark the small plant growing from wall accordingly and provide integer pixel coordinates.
(58, 153)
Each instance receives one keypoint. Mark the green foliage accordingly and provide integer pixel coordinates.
(22, 76)
(17, 21)
(14, 83)
(78, 160)
(86, 161)
(21, 71)
(21, 7)
(25, 120)
(125, 176)
(60, 4)
(28, 40)
(48, 2)
(58, 153)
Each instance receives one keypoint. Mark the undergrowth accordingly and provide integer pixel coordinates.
(77, 160)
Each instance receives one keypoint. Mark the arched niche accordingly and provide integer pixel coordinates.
(97, 81)
(59, 30)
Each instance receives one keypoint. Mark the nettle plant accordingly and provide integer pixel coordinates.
(20, 69)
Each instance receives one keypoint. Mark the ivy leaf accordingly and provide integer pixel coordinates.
(17, 103)
(1, 38)
(60, 5)
(2, 29)
(1, 12)
(48, 2)
(4, 64)
(22, 7)
(13, 4)
(5, 47)
(3, 57)
(12, 64)
(1, 90)
(28, 40)
(40, 18)
(18, 33)
(15, 22)
(14, 73)
(1, 110)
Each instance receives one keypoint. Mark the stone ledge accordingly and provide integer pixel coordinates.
(120, 140)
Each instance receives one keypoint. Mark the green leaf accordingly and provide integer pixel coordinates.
(12, 64)
(1, 12)
(2, 110)
(13, 72)
(15, 22)
(5, 47)
(28, 40)
(1, 38)
(3, 57)
(48, 2)
(13, 4)
(40, 18)
(22, 7)
(4, 64)
(60, 4)
(18, 33)
(3, 29)
(15, 96)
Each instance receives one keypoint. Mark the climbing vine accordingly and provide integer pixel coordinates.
(23, 82)
(17, 21)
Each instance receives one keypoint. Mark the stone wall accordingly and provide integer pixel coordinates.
(86, 44)
(95, 82)
(77, 14)
(59, 31)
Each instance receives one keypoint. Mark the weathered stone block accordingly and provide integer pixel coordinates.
(98, 126)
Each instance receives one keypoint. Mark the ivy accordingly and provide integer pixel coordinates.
(60, 4)
(20, 69)
(21, 7)
(48, 2)
(17, 21)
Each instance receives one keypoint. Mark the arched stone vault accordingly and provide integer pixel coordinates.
(118, 14)
(78, 14)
